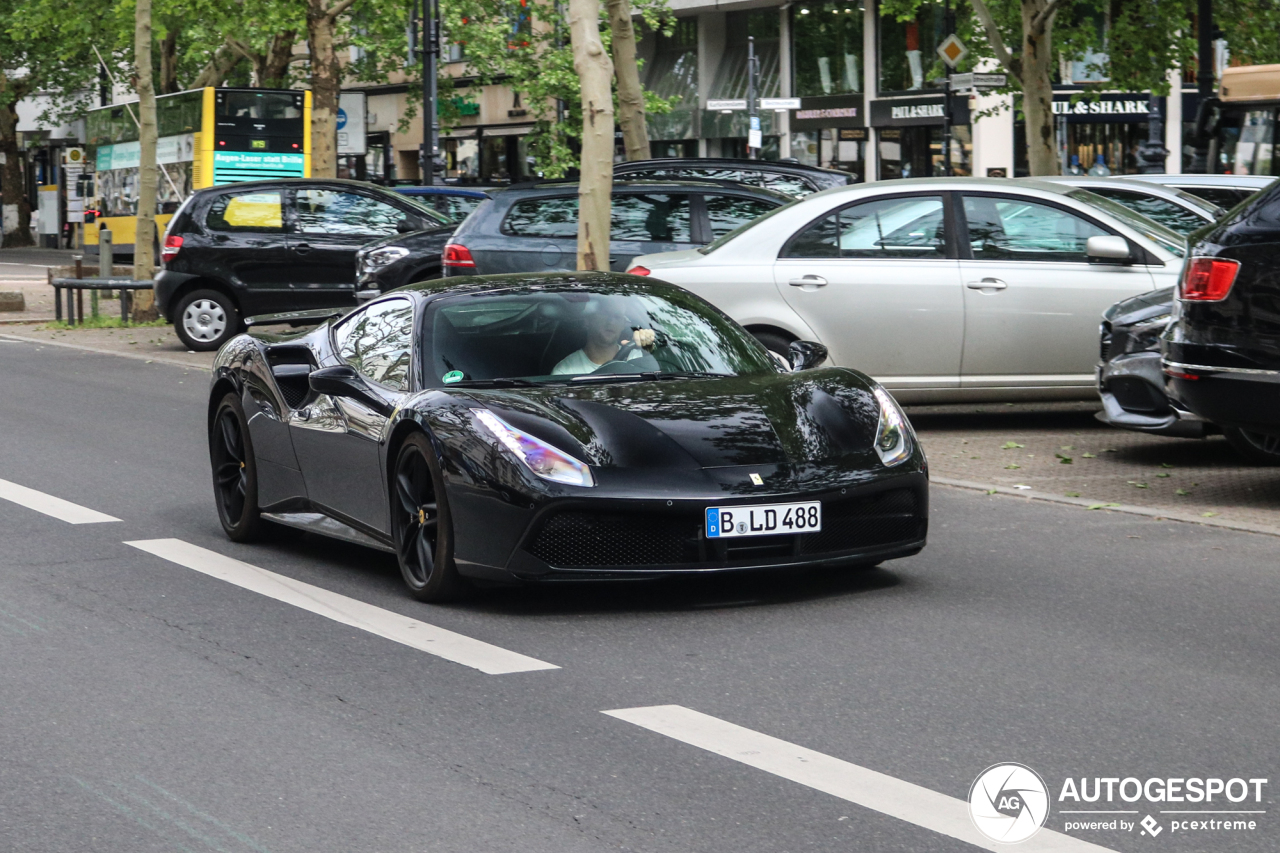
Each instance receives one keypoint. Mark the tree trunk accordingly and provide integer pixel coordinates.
(15, 211)
(148, 177)
(275, 69)
(635, 135)
(169, 62)
(326, 81)
(595, 72)
(217, 69)
(1037, 90)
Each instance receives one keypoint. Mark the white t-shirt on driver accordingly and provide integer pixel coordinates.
(579, 362)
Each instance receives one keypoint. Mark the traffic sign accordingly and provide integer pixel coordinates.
(966, 82)
(779, 103)
(952, 50)
(731, 104)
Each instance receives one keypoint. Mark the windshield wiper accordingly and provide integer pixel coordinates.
(692, 374)
(647, 376)
(503, 382)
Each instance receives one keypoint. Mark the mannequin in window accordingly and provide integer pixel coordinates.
(913, 56)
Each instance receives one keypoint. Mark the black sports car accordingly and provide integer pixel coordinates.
(577, 425)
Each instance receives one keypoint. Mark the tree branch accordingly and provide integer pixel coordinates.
(1039, 22)
(996, 41)
(338, 8)
(242, 49)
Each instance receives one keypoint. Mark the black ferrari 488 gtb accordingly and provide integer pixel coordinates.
(575, 425)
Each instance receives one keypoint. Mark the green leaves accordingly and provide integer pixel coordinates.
(1011, 445)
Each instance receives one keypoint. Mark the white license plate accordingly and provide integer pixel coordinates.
(763, 520)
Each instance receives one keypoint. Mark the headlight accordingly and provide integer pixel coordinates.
(893, 433)
(379, 258)
(1145, 336)
(539, 457)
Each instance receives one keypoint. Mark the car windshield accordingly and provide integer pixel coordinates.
(1163, 237)
(725, 238)
(621, 333)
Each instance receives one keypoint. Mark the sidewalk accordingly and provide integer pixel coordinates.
(1061, 450)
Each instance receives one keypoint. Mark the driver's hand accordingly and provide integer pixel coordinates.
(644, 338)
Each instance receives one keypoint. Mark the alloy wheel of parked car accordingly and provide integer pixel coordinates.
(1256, 447)
(205, 320)
(420, 525)
(235, 471)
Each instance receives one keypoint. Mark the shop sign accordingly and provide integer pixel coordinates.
(834, 112)
(917, 111)
(1104, 108)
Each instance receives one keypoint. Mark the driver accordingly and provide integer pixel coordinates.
(606, 322)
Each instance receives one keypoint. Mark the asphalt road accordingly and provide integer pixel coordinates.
(148, 707)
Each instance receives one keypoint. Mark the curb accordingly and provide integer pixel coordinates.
(1083, 503)
(135, 356)
(23, 321)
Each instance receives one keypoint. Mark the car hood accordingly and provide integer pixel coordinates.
(806, 417)
(1137, 309)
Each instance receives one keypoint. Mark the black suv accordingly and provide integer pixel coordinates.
(269, 246)
(1221, 353)
(794, 179)
(534, 227)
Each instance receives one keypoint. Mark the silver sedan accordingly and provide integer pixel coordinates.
(944, 289)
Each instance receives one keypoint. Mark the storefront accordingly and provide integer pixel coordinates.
(830, 132)
(909, 133)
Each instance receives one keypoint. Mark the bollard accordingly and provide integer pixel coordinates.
(106, 255)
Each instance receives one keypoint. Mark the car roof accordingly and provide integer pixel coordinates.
(295, 182)
(1255, 182)
(1149, 187)
(728, 163)
(570, 187)
(948, 185)
(433, 190)
(525, 282)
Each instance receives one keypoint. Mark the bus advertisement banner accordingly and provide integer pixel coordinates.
(232, 166)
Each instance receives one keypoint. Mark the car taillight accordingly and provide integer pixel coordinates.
(172, 244)
(638, 271)
(1208, 279)
(457, 255)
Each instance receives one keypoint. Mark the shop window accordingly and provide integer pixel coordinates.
(908, 50)
(910, 152)
(826, 40)
(731, 76)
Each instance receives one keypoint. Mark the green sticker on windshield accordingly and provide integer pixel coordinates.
(452, 376)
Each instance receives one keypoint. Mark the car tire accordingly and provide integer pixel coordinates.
(235, 471)
(421, 526)
(774, 342)
(1257, 448)
(205, 320)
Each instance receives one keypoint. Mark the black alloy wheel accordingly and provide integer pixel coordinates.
(420, 524)
(1256, 447)
(235, 471)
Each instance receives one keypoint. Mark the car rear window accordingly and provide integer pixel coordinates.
(247, 211)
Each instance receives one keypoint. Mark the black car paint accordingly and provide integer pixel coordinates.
(752, 172)
(1223, 358)
(257, 269)
(422, 262)
(661, 452)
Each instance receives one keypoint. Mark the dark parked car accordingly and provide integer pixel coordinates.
(1131, 380)
(794, 179)
(454, 202)
(1222, 349)
(534, 227)
(270, 246)
(551, 427)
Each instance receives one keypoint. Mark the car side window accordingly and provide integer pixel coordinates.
(1162, 210)
(651, 217)
(549, 218)
(1014, 229)
(378, 342)
(256, 211)
(322, 211)
(728, 212)
(906, 227)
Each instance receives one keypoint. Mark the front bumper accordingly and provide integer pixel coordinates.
(1132, 388)
(873, 519)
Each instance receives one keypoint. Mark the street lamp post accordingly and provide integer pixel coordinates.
(1204, 79)
(753, 108)
(430, 114)
(1152, 154)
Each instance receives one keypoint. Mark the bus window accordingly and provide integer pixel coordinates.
(253, 211)
(259, 105)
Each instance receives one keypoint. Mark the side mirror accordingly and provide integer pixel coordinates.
(411, 223)
(343, 381)
(806, 354)
(1108, 250)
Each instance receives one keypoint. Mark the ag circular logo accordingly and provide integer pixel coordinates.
(1008, 802)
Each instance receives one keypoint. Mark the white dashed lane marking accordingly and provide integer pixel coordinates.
(868, 788)
(49, 505)
(440, 642)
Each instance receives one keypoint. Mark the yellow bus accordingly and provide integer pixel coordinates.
(207, 137)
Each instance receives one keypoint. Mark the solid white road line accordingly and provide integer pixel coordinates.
(49, 505)
(358, 614)
(868, 788)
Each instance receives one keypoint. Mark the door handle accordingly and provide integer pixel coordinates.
(808, 281)
(986, 284)
(302, 248)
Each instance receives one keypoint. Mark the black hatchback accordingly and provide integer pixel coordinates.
(269, 246)
(1221, 353)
